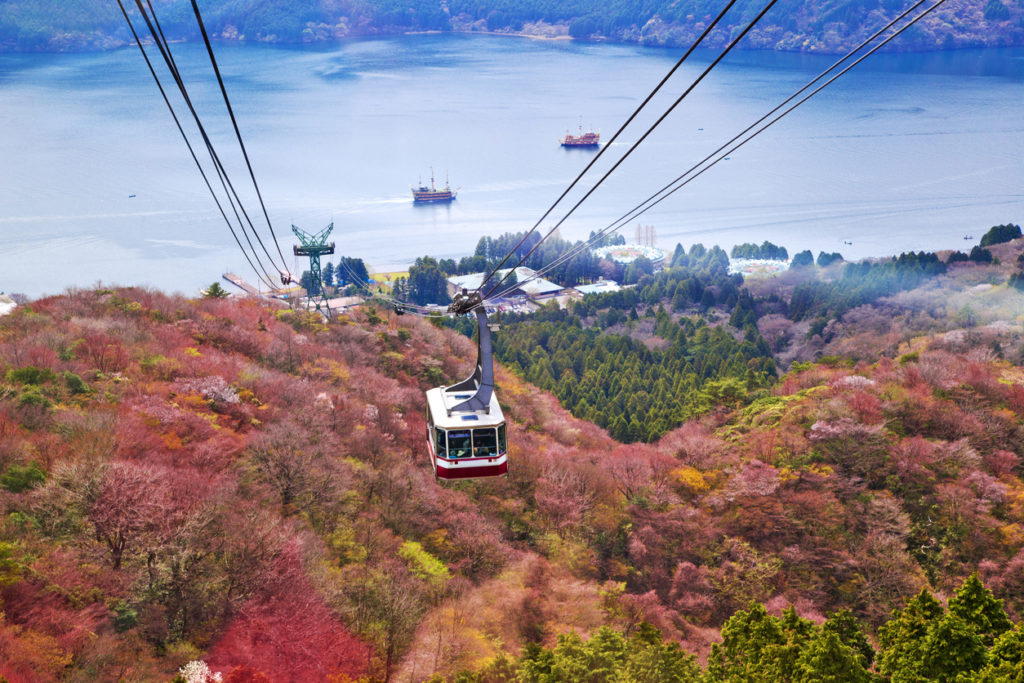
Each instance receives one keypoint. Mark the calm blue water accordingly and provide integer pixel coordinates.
(905, 152)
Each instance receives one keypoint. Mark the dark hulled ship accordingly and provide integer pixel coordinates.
(590, 139)
(432, 193)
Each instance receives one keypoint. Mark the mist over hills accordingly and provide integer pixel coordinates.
(800, 25)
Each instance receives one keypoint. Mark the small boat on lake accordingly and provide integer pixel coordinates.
(433, 193)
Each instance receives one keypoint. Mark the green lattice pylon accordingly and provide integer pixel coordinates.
(314, 246)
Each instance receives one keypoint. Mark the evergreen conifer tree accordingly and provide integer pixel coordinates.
(747, 639)
(983, 612)
(826, 659)
(951, 651)
(846, 628)
(902, 638)
(1005, 658)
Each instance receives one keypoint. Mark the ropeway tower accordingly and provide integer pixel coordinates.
(313, 245)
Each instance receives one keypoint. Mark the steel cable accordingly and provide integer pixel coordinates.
(164, 46)
(608, 145)
(667, 190)
(238, 134)
(643, 137)
(195, 158)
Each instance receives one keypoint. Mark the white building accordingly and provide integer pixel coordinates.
(6, 304)
(599, 287)
(627, 253)
(527, 282)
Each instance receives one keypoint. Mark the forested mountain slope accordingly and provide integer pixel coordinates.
(800, 25)
(217, 480)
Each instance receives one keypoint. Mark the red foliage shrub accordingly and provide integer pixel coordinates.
(134, 502)
(411, 429)
(42, 357)
(159, 425)
(866, 406)
(997, 429)
(694, 443)
(661, 540)
(691, 593)
(245, 674)
(1009, 583)
(27, 656)
(632, 474)
(754, 479)
(476, 544)
(648, 607)
(1015, 398)
(50, 612)
(102, 352)
(1002, 462)
(565, 495)
(218, 452)
(288, 634)
(980, 377)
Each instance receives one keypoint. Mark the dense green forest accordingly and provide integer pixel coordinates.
(971, 641)
(597, 357)
(685, 340)
(765, 250)
(809, 25)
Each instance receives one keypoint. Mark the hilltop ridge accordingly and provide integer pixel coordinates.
(809, 26)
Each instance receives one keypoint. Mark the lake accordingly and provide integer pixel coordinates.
(905, 152)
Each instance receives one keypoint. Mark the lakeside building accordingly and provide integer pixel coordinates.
(7, 304)
(537, 289)
(756, 266)
(627, 253)
(599, 287)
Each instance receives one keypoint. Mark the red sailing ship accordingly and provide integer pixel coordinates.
(590, 139)
(433, 194)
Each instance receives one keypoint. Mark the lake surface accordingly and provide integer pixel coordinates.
(905, 152)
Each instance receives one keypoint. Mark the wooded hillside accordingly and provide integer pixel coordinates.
(801, 25)
(222, 482)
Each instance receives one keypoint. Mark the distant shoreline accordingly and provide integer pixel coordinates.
(932, 36)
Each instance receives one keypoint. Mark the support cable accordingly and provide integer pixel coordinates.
(679, 182)
(285, 277)
(608, 144)
(636, 144)
(229, 188)
(188, 144)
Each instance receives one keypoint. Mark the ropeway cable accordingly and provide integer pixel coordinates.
(636, 144)
(285, 277)
(229, 189)
(636, 212)
(608, 144)
(225, 180)
(416, 309)
(679, 182)
(188, 144)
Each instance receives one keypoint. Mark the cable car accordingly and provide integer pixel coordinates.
(465, 426)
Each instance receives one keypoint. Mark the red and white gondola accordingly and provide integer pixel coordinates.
(465, 427)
